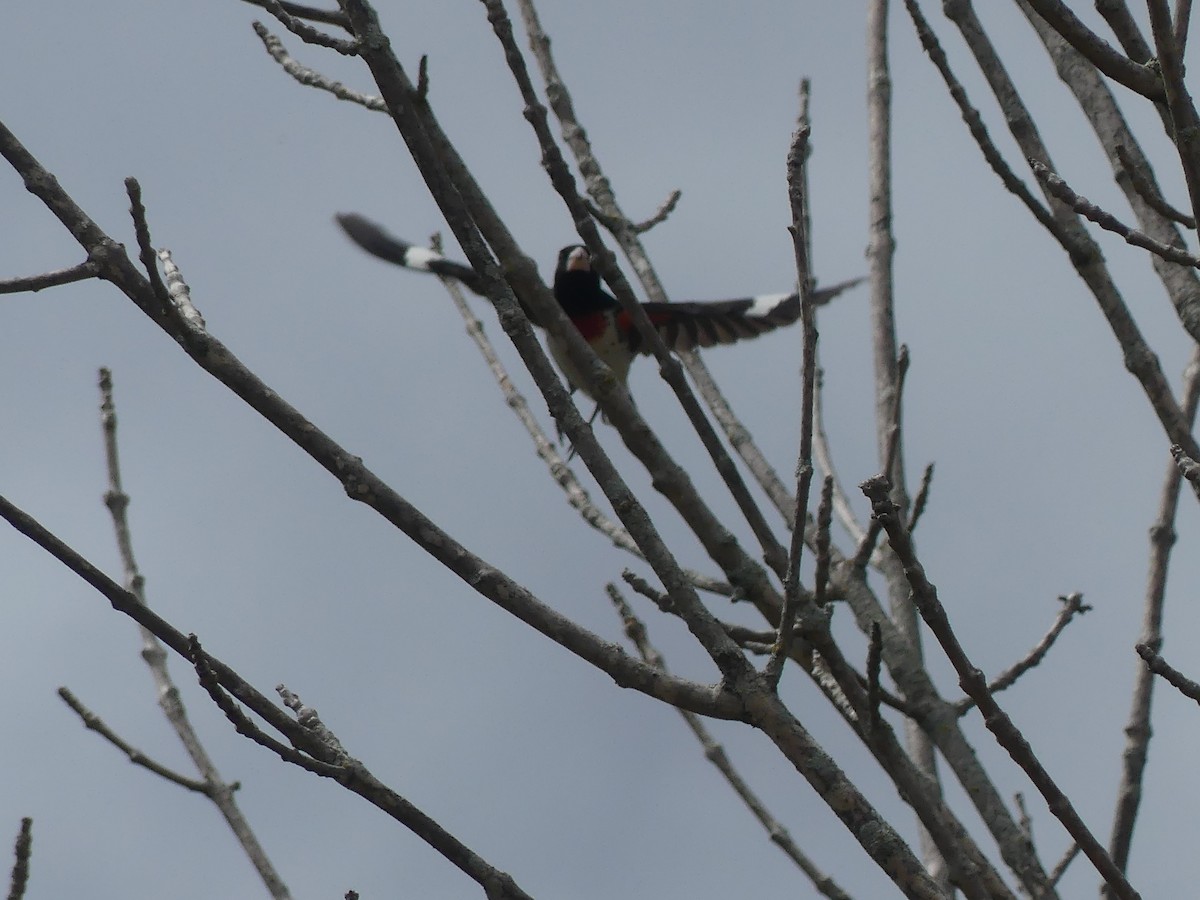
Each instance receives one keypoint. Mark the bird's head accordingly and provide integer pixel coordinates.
(574, 258)
(576, 284)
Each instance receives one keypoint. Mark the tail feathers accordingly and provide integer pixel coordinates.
(379, 243)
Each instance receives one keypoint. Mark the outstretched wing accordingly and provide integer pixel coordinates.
(379, 243)
(685, 326)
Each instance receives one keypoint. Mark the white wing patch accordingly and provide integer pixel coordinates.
(763, 305)
(420, 258)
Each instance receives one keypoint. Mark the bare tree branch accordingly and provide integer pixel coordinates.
(1185, 122)
(1060, 868)
(823, 543)
(1116, 66)
(1107, 220)
(331, 766)
(1137, 730)
(1066, 228)
(1116, 13)
(922, 497)
(972, 119)
(1120, 144)
(797, 191)
(824, 455)
(890, 361)
(971, 678)
(615, 225)
(19, 879)
(1183, 17)
(635, 630)
(874, 665)
(93, 722)
(312, 13)
(349, 772)
(1188, 467)
(34, 283)
(1148, 191)
(153, 654)
(297, 26)
(784, 730)
(1072, 605)
(626, 234)
(560, 471)
(1159, 666)
(311, 77)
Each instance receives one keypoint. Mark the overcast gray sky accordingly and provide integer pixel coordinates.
(1048, 458)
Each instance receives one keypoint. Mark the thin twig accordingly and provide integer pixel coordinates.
(925, 598)
(1183, 18)
(824, 539)
(1126, 30)
(423, 79)
(974, 122)
(141, 227)
(1118, 141)
(874, 664)
(1184, 121)
(922, 498)
(1102, 55)
(311, 77)
(643, 587)
(890, 456)
(1137, 729)
(625, 231)
(312, 13)
(1148, 192)
(1106, 220)
(33, 283)
(667, 476)
(1159, 666)
(1060, 868)
(824, 455)
(1072, 605)
(797, 190)
(635, 630)
(1066, 228)
(360, 483)
(22, 850)
(155, 657)
(667, 207)
(94, 723)
(306, 32)
(246, 727)
(890, 364)
(1024, 820)
(318, 751)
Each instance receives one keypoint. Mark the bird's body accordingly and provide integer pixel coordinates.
(600, 319)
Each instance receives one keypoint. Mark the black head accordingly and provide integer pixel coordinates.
(576, 284)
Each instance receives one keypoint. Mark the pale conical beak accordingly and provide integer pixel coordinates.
(579, 260)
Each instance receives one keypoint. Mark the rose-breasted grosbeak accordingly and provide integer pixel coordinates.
(599, 317)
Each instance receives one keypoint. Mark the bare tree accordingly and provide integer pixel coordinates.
(779, 553)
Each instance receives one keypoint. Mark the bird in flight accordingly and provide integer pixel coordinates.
(600, 319)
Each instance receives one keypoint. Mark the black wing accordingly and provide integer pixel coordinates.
(685, 326)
